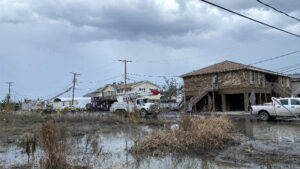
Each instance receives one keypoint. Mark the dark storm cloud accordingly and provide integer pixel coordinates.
(42, 40)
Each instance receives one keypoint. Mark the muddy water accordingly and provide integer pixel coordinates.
(116, 142)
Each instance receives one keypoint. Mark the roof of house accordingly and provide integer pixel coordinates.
(129, 85)
(228, 66)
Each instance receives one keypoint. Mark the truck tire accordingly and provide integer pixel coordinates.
(264, 116)
(143, 113)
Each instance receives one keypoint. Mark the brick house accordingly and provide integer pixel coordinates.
(227, 86)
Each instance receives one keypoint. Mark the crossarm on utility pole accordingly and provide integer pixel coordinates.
(125, 78)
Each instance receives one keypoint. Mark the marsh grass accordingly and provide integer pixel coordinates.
(197, 135)
(54, 145)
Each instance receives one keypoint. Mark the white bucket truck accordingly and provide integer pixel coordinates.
(144, 103)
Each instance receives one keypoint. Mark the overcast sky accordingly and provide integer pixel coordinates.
(41, 41)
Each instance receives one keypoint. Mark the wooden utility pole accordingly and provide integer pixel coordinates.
(74, 83)
(9, 89)
(125, 77)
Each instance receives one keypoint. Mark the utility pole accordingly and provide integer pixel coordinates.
(74, 83)
(9, 89)
(125, 80)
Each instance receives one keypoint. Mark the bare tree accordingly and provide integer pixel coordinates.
(170, 88)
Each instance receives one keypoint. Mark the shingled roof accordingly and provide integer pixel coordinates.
(227, 66)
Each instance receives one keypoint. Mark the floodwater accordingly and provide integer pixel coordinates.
(116, 142)
(276, 131)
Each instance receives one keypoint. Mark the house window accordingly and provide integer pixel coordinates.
(251, 77)
(118, 91)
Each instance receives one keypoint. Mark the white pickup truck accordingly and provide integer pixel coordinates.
(283, 107)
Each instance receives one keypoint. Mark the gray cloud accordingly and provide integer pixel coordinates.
(41, 41)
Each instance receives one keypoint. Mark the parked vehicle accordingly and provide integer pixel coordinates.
(283, 107)
(144, 107)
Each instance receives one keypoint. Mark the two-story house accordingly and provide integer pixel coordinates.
(113, 90)
(227, 86)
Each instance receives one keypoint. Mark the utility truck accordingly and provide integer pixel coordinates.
(283, 107)
(144, 103)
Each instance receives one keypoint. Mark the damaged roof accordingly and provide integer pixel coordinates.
(227, 66)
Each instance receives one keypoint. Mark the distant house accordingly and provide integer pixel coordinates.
(104, 97)
(143, 86)
(295, 85)
(112, 90)
(231, 85)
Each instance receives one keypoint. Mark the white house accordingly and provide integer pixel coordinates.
(143, 86)
(119, 89)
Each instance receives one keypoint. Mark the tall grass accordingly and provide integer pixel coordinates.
(54, 145)
(196, 135)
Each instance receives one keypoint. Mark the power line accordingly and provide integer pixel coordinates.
(286, 70)
(273, 58)
(99, 81)
(291, 70)
(135, 74)
(286, 67)
(255, 63)
(58, 92)
(265, 24)
(277, 10)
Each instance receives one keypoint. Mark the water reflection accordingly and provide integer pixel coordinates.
(274, 131)
(118, 140)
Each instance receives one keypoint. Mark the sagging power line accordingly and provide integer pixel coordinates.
(277, 10)
(254, 20)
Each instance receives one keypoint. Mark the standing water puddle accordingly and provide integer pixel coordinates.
(116, 142)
